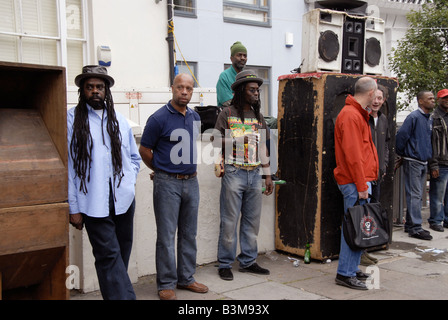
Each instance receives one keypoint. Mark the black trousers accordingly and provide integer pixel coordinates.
(111, 239)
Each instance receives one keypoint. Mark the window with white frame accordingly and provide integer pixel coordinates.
(185, 8)
(50, 32)
(253, 12)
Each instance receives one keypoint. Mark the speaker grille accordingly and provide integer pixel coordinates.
(373, 52)
(328, 46)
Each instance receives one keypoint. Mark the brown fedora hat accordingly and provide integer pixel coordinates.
(246, 76)
(94, 72)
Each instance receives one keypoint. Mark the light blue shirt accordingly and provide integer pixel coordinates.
(96, 202)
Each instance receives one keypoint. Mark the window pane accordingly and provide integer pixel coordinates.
(184, 5)
(9, 48)
(264, 98)
(74, 60)
(48, 13)
(249, 2)
(245, 14)
(8, 20)
(265, 87)
(40, 17)
(74, 19)
(183, 68)
(39, 51)
(263, 73)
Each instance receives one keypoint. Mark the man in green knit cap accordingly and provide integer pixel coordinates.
(238, 56)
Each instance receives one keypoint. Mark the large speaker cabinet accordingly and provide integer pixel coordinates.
(374, 46)
(335, 41)
(33, 182)
(309, 206)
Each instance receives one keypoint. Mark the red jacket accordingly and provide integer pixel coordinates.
(356, 155)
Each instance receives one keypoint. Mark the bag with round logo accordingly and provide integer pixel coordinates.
(366, 226)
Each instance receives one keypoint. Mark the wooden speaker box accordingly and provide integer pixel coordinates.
(310, 206)
(33, 181)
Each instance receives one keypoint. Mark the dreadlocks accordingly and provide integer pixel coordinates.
(239, 101)
(82, 142)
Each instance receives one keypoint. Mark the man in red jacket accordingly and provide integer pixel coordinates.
(356, 166)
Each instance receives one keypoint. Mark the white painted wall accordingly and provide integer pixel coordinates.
(143, 254)
(135, 31)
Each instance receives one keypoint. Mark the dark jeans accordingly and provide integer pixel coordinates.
(111, 240)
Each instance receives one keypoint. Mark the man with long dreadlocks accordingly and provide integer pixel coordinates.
(102, 172)
(244, 133)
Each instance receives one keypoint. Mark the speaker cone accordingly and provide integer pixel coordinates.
(373, 52)
(328, 46)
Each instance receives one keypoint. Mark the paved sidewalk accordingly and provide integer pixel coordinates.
(409, 270)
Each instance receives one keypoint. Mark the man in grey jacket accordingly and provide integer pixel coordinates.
(438, 165)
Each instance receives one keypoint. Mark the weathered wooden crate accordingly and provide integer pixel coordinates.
(33, 182)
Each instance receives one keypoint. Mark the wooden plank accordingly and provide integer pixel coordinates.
(29, 86)
(31, 169)
(52, 106)
(28, 268)
(33, 228)
(53, 286)
(33, 175)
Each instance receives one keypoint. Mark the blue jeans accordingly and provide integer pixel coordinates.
(349, 259)
(176, 204)
(240, 196)
(414, 182)
(438, 197)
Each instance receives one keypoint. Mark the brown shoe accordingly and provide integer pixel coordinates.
(167, 294)
(195, 287)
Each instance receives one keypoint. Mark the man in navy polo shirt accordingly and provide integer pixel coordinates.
(168, 147)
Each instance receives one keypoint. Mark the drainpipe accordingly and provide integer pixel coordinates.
(170, 39)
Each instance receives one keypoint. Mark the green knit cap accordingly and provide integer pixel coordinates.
(237, 47)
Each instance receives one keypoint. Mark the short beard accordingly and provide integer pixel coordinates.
(239, 65)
